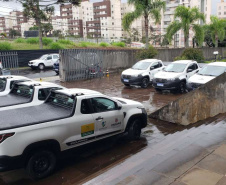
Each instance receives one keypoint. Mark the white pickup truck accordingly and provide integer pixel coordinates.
(6, 83)
(35, 136)
(26, 94)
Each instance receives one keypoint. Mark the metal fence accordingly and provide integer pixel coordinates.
(78, 64)
(9, 60)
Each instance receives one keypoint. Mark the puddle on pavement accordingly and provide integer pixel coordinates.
(94, 159)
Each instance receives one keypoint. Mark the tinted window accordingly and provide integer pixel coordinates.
(43, 93)
(22, 90)
(11, 84)
(61, 100)
(211, 70)
(160, 64)
(192, 67)
(155, 65)
(49, 57)
(102, 104)
(85, 109)
(2, 84)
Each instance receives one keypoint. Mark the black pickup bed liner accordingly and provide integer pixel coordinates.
(32, 115)
(12, 99)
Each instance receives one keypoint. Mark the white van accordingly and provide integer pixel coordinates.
(142, 72)
(207, 73)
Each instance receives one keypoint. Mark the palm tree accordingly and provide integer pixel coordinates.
(186, 19)
(216, 29)
(145, 8)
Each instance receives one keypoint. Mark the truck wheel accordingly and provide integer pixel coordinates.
(41, 164)
(144, 83)
(41, 66)
(134, 130)
(182, 87)
(158, 90)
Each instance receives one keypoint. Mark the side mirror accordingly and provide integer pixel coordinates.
(189, 70)
(119, 107)
(151, 68)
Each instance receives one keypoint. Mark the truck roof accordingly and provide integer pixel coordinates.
(149, 60)
(36, 83)
(14, 77)
(184, 61)
(76, 91)
(223, 64)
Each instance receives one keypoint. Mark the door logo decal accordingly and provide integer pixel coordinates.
(87, 129)
(103, 126)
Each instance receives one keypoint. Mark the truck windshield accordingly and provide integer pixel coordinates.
(61, 100)
(211, 70)
(175, 67)
(22, 90)
(141, 65)
(2, 84)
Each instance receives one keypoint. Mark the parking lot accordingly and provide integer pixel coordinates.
(98, 162)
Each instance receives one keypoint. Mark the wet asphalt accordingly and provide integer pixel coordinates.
(153, 159)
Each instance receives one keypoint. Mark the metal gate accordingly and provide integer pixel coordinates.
(79, 64)
(9, 60)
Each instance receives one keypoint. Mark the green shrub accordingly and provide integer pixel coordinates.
(56, 45)
(191, 54)
(103, 44)
(118, 44)
(149, 53)
(46, 41)
(20, 40)
(5, 46)
(63, 41)
(83, 44)
(33, 40)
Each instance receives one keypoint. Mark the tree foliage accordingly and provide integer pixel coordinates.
(185, 18)
(215, 31)
(13, 33)
(144, 9)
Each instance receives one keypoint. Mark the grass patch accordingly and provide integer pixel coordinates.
(66, 42)
(103, 44)
(47, 41)
(20, 40)
(119, 44)
(5, 46)
(56, 45)
(33, 40)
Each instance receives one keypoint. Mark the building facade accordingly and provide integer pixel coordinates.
(221, 9)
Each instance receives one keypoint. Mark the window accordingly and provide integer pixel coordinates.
(49, 58)
(192, 66)
(2, 84)
(85, 109)
(155, 65)
(22, 90)
(43, 93)
(55, 56)
(160, 64)
(103, 104)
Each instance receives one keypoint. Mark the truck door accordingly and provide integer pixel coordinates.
(108, 118)
(191, 70)
(49, 60)
(154, 68)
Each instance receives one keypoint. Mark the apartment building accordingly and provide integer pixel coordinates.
(168, 17)
(221, 9)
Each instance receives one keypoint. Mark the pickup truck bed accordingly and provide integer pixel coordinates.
(12, 99)
(32, 115)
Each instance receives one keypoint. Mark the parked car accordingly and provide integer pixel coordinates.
(26, 94)
(175, 75)
(44, 61)
(69, 118)
(142, 72)
(7, 82)
(207, 73)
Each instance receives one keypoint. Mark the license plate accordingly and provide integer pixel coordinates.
(125, 80)
(160, 84)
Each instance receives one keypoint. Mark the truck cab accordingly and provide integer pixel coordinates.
(174, 76)
(26, 94)
(7, 82)
(142, 72)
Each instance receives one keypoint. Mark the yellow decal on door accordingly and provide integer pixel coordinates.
(87, 129)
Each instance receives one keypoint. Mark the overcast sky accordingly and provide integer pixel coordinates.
(6, 7)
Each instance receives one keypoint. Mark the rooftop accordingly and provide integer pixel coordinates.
(184, 61)
(218, 64)
(75, 91)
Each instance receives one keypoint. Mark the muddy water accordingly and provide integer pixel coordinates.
(113, 160)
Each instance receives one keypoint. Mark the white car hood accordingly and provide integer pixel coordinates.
(167, 75)
(200, 79)
(129, 103)
(37, 60)
(132, 72)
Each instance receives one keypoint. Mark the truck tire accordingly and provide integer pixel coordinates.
(182, 87)
(41, 66)
(134, 130)
(41, 164)
(158, 90)
(145, 82)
